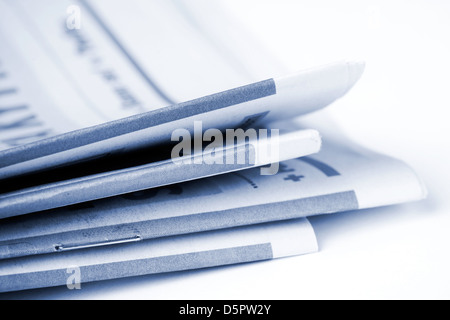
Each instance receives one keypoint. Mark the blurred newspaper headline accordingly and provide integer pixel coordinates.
(91, 94)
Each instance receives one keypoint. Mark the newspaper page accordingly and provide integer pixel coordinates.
(235, 157)
(74, 64)
(65, 59)
(185, 252)
(71, 65)
(342, 176)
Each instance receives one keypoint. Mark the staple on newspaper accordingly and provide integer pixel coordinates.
(90, 185)
(342, 176)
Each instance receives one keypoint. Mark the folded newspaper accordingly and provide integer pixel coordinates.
(105, 172)
(342, 176)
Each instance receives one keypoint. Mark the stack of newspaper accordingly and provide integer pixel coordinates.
(129, 146)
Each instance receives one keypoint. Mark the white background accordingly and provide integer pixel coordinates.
(400, 107)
